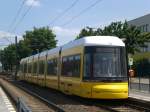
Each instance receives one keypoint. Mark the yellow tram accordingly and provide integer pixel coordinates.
(90, 67)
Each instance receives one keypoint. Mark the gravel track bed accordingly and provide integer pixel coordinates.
(34, 104)
(67, 103)
(77, 104)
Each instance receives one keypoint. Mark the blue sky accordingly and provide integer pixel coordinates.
(44, 11)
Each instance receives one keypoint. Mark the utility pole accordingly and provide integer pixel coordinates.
(16, 58)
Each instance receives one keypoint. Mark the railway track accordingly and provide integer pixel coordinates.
(118, 106)
(31, 102)
(63, 101)
(77, 104)
(60, 100)
(141, 105)
(128, 105)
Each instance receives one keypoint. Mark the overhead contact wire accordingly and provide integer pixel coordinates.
(23, 16)
(63, 13)
(17, 14)
(15, 19)
(82, 12)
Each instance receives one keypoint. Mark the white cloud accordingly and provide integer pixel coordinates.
(35, 3)
(7, 38)
(5, 34)
(64, 35)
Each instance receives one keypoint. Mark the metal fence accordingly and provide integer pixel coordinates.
(140, 83)
(22, 107)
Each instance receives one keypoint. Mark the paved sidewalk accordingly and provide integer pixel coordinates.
(140, 79)
(5, 104)
(139, 95)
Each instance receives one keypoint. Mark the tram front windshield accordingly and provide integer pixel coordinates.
(105, 63)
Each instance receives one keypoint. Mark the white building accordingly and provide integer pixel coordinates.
(143, 23)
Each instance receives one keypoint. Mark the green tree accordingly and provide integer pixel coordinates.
(86, 32)
(40, 39)
(23, 50)
(132, 37)
(2, 57)
(8, 57)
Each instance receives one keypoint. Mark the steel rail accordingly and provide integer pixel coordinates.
(47, 102)
(105, 107)
(128, 105)
(143, 105)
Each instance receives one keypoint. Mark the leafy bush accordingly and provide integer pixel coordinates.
(142, 64)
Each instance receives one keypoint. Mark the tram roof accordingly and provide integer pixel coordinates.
(30, 58)
(95, 41)
(85, 41)
(36, 55)
(54, 50)
(24, 59)
(43, 53)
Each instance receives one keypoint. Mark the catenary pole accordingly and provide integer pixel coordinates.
(16, 70)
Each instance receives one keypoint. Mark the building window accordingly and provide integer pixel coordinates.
(71, 66)
(147, 27)
(139, 28)
(143, 28)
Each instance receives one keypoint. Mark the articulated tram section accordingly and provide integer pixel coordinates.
(85, 75)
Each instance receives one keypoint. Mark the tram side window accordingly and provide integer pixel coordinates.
(71, 66)
(34, 67)
(25, 68)
(41, 67)
(64, 66)
(77, 62)
(21, 67)
(87, 65)
(123, 62)
(52, 67)
(29, 67)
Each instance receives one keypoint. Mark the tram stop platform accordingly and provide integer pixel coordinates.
(139, 88)
(5, 104)
(139, 95)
